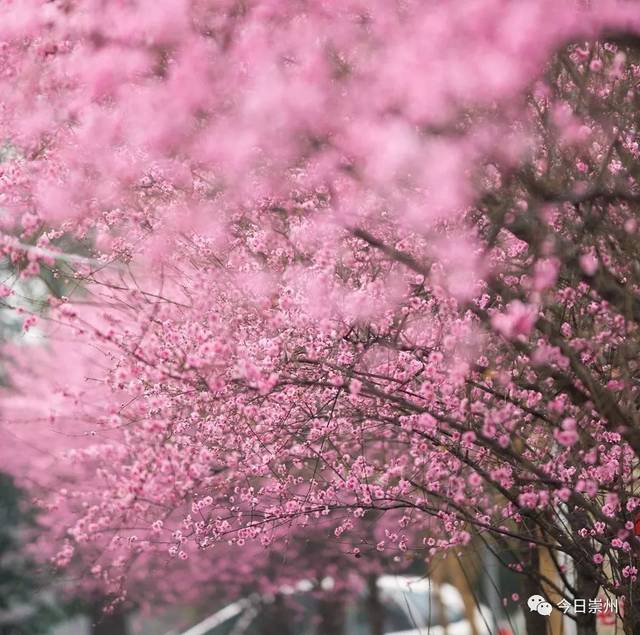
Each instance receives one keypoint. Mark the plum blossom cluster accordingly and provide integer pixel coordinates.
(361, 272)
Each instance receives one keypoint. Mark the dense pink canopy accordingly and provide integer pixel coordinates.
(349, 268)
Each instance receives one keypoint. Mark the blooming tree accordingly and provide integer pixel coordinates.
(370, 266)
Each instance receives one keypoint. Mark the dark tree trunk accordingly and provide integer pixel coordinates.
(631, 619)
(536, 624)
(374, 605)
(108, 623)
(586, 588)
(331, 613)
(586, 624)
(276, 618)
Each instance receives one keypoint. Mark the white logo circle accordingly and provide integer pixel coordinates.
(538, 604)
